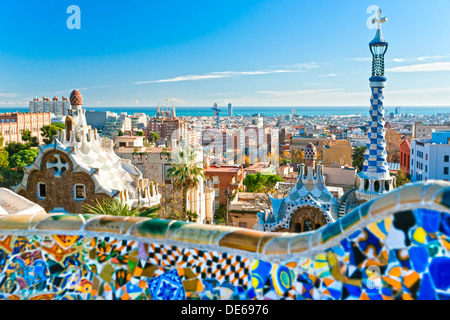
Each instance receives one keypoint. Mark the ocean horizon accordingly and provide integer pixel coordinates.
(262, 110)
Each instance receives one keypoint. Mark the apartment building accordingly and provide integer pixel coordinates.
(12, 125)
(430, 158)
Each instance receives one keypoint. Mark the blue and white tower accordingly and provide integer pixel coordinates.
(375, 179)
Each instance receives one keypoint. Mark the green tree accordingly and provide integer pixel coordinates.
(221, 215)
(48, 132)
(358, 157)
(23, 158)
(120, 134)
(59, 125)
(153, 137)
(4, 158)
(186, 173)
(258, 182)
(402, 178)
(13, 147)
(139, 133)
(10, 177)
(192, 215)
(33, 142)
(26, 135)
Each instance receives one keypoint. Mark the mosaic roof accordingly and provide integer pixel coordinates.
(76, 99)
(310, 189)
(92, 154)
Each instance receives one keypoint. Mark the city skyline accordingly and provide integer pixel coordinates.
(257, 53)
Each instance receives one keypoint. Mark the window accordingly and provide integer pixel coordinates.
(426, 168)
(41, 191)
(445, 170)
(79, 192)
(446, 158)
(242, 224)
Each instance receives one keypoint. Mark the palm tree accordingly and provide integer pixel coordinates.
(185, 172)
(358, 157)
(114, 207)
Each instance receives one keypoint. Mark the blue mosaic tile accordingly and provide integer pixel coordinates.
(445, 224)
(330, 231)
(167, 286)
(370, 242)
(430, 220)
(440, 272)
(419, 258)
(426, 291)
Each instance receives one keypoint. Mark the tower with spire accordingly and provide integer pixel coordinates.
(375, 179)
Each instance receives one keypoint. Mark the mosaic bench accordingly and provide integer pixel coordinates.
(393, 247)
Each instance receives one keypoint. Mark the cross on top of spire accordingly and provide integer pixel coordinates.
(379, 19)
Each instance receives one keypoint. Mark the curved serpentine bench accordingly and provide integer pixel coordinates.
(393, 247)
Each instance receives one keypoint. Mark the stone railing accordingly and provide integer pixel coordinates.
(394, 247)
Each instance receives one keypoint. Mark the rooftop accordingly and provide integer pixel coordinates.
(222, 169)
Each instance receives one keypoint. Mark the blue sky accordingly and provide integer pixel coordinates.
(196, 53)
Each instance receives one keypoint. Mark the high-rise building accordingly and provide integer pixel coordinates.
(55, 106)
(230, 110)
(169, 129)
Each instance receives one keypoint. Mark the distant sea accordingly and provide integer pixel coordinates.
(266, 111)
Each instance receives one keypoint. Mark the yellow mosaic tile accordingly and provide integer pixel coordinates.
(299, 243)
(389, 202)
(413, 193)
(431, 191)
(15, 222)
(130, 222)
(278, 245)
(105, 224)
(221, 231)
(264, 239)
(36, 218)
(242, 239)
(60, 222)
(200, 234)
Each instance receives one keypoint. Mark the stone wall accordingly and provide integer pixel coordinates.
(60, 192)
(395, 247)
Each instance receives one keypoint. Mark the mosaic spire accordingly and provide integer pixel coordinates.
(375, 177)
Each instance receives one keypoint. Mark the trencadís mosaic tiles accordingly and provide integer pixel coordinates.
(395, 247)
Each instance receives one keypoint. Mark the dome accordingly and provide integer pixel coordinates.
(310, 151)
(76, 99)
